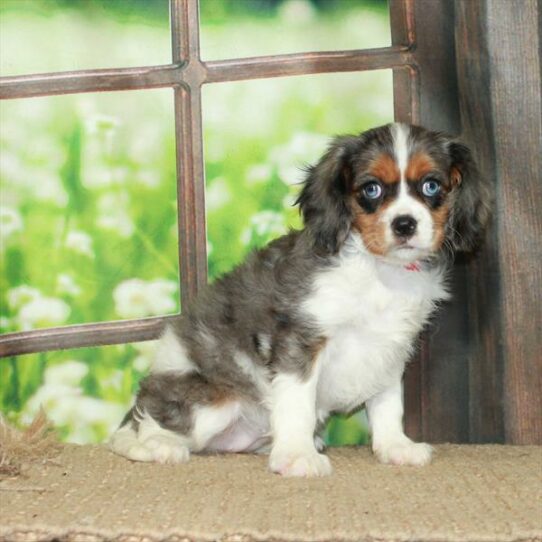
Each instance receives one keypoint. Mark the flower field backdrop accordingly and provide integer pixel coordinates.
(88, 196)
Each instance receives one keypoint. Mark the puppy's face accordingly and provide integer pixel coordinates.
(402, 193)
(406, 191)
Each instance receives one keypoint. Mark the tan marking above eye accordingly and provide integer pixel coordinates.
(419, 165)
(385, 168)
(455, 176)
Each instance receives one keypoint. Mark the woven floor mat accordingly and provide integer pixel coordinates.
(469, 493)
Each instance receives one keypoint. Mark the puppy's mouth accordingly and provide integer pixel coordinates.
(406, 250)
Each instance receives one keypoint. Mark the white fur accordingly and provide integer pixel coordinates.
(210, 421)
(371, 312)
(390, 444)
(293, 423)
(171, 355)
(257, 374)
(400, 133)
(248, 433)
(420, 244)
(150, 443)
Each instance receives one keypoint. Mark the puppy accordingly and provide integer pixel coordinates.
(322, 320)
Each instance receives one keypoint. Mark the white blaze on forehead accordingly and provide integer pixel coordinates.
(399, 133)
(405, 204)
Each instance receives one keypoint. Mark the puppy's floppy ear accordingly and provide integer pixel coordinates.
(323, 198)
(472, 202)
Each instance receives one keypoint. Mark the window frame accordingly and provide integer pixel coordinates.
(186, 75)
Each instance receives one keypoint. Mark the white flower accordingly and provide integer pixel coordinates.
(217, 195)
(297, 12)
(65, 284)
(80, 242)
(5, 323)
(290, 175)
(11, 222)
(258, 173)
(265, 224)
(60, 383)
(113, 214)
(160, 294)
(67, 373)
(148, 178)
(145, 357)
(304, 148)
(121, 224)
(66, 406)
(42, 312)
(20, 295)
(136, 298)
(130, 299)
(47, 186)
(80, 414)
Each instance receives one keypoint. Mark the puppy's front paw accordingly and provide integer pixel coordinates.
(404, 452)
(306, 464)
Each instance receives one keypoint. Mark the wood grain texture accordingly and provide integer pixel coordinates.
(486, 362)
(77, 336)
(498, 56)
(514, 44)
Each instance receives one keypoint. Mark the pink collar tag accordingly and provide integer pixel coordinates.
(414, 266)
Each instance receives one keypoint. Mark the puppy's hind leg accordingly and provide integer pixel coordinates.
(174, 414)
(124, 441)
(140, 438)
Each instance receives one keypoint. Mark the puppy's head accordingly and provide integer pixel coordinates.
(407, 191)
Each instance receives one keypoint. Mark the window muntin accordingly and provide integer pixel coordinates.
(186, 75)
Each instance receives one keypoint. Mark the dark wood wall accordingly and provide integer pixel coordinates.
(478, 377)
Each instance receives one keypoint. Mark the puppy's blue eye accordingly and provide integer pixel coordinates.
(372, 190)
(430, 188)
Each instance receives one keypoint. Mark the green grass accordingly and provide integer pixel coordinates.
(88, 197)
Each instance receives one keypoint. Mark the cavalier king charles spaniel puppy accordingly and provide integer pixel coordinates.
(319, 321)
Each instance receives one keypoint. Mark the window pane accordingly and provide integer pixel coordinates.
(39, 36)
(232, 29)
(258, 137)
(88, 209)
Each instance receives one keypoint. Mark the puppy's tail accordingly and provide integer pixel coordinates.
(124, 440)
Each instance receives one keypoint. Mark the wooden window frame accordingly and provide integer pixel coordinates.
(422, 58)
(186, 75)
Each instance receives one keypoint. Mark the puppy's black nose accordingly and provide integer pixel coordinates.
(404, 226)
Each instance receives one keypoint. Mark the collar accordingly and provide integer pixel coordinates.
(413, 266)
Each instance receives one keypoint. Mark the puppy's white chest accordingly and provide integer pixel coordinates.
(370, 317)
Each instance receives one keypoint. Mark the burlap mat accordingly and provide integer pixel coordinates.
(469, 493)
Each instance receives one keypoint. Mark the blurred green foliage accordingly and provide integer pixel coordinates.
(87, 182)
